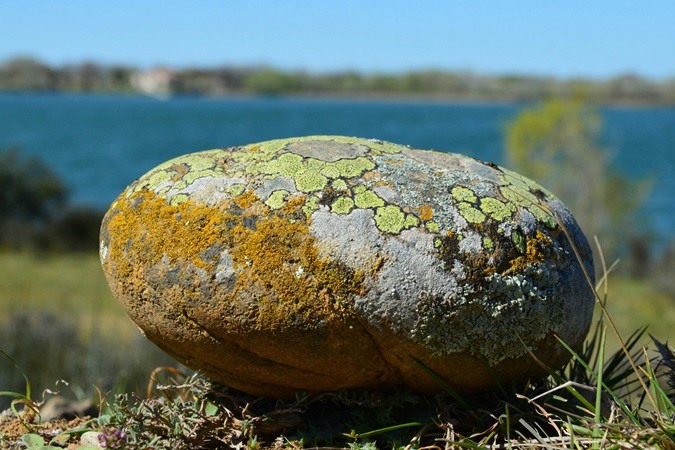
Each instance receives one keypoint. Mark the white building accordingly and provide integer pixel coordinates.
(154, 82)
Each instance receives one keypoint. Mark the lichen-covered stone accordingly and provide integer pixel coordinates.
(326, 262)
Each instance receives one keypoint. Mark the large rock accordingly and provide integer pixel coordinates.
(327, 262)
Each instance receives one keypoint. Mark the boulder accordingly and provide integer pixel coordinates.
(325, 262)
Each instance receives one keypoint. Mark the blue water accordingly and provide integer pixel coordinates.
(100, 144)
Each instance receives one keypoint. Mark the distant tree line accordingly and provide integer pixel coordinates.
(28, 74)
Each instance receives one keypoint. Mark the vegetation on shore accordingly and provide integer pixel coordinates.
(559, 141)
(34, 209)
(28, 74)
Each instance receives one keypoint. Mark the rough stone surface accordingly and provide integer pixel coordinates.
(327, 262)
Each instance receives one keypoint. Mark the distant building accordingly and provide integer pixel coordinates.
(155, 82)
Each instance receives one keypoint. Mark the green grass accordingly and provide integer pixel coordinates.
(636, 303)
(70, 283)
(59, 321)
(71, 286)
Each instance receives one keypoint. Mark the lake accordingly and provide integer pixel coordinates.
(99, 144)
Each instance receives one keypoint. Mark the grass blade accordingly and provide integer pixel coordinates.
(446, 387)
(355, 435)
(25, 377)
(599, 384)
(621, 404)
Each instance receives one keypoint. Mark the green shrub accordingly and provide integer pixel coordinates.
(34, 213)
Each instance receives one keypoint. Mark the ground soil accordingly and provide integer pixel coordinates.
(11, 429)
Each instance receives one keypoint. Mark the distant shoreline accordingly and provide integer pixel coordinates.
(347, 98)
(25, 74)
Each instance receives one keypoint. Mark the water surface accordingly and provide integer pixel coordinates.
(99, 144)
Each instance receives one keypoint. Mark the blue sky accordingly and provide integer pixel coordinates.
(573, 38)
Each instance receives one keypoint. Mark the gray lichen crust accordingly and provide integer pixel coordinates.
(420, 253)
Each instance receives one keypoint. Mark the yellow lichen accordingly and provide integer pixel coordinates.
(535, 249)
(246, 199)
(497, 209)
(269, 259)
(154, 229)
(367, 199)
(146, 232)
(277, 199)
(411, 221)
(425, 212)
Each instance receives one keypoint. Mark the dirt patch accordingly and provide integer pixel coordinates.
(13, 428)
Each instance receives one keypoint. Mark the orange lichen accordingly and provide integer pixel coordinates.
(294, 205)
(154, 229)
(393, 161)
(425, 212)
(383, 183)
(276, 262)
(279, 261)
(246, 199)
(535, 252)
(371, 176)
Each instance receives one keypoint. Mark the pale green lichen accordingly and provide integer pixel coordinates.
(488, 244)
(518, 241)
(330, 171)
(308, 182)
(543, 217)
(462, 194)
(236, 189)
(523, 183)
(529, 202)
(497, 209)
(179, 173)
(367, 199)
(376, 146)
(152, 181)
(311, 205)
(350, 168)
(202, 161)
(287, 165)
(343, 205)
(432, 227)
(339, 185)
(277, 200)
(193, 175)
(390, 219)
(411, 221)
(314, 165)
(470, 213)
(176, 187)
(178, 199)
(310, 174)
(518, 197)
